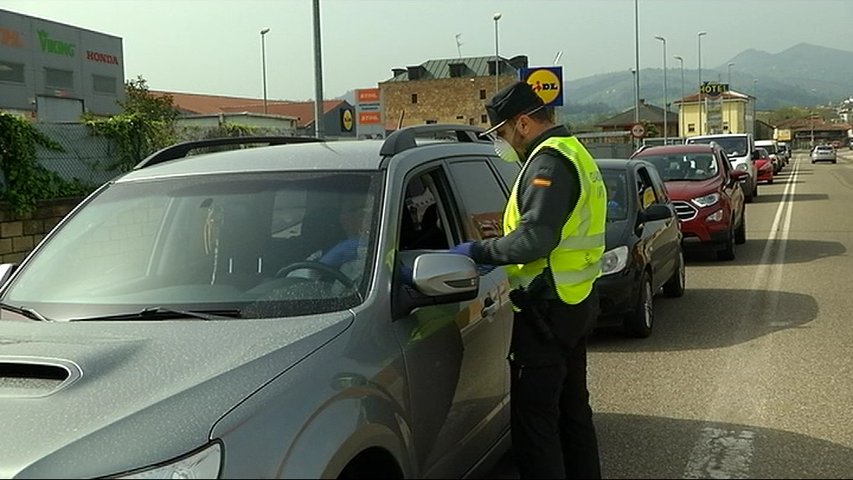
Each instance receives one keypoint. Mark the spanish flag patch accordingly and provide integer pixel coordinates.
(541, 182)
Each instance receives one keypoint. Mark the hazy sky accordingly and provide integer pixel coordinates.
(214, 46)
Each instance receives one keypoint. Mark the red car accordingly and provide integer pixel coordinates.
(763, 165)
(706, 192)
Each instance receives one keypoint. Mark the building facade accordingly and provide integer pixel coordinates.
(728, 112)
(446, 91)
(54, 72)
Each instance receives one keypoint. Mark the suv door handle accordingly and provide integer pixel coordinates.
(490, 306)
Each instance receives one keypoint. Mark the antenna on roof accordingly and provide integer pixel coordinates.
(557, 58)
(459, 44)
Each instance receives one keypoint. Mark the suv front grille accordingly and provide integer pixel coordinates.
(685, 211)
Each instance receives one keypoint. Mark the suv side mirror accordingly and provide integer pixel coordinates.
(738, 176)
(656, 211)
(437, 278)
(755, 155)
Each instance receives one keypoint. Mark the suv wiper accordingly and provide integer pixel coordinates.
(163, 313)
(28, 312)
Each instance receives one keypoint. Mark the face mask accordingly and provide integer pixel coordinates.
(505, 151)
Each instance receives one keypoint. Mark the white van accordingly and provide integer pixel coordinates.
(739, 148)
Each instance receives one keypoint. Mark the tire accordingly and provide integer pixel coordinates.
(674, 287)
(740, 231)
(728, 251)
(639, 322)
(770, 182)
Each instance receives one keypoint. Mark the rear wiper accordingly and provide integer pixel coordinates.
(163, 313)
(28, 312)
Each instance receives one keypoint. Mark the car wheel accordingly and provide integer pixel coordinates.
(770, 182)
(728, 251)
(674, 287)
(639, 322)
(740, 232)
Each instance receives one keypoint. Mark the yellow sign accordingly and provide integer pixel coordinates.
(346, 120)
(546, 84)
(783, 135)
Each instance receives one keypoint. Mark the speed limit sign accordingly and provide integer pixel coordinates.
(637, 130)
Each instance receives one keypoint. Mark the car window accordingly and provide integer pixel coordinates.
(658, 186)
(508, 172)
(689, 166)
(645, 190)
(617, 194)
(423, 225)
(211, 242)
(483, 206)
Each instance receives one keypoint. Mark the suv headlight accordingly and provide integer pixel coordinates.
(614, 261)
(202, 463)
(742, 166)
(707, 200)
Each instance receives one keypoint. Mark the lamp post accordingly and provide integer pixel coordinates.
(264, 64)
(701, 120)
(496, 17)
(665, 107)
(636, 62)
(681, 104)
(754, 105)
(731, 64)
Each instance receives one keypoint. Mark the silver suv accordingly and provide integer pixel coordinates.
(823, 153)
(739, 148)
(281, 311)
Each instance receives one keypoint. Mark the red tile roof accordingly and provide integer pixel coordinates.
(206, 104)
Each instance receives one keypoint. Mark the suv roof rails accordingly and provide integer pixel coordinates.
(404, 138)
(180, 150)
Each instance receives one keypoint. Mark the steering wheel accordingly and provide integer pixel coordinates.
(325, 270)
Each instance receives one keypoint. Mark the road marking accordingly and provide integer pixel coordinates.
(721, 453)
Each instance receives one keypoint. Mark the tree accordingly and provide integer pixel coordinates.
(146, 124)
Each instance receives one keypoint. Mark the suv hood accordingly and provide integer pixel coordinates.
(147, 391)
(686, 190)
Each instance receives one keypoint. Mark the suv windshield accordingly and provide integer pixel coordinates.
(690, 166)
(733, 146)
(257, 245)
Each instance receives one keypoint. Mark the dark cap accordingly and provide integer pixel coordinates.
(511, 101)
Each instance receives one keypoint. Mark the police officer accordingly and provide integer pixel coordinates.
(552, 246)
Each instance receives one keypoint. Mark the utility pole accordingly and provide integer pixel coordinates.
(319, 128)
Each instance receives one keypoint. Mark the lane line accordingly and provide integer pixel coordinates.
(725, 453)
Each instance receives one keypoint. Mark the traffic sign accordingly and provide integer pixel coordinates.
(638, 130)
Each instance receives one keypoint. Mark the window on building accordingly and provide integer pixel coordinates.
(725, 127)
(414, 98)
(58, 78)
(11, 72)
(460, 117)
(484, 119)
(429, 122)
(691, 127)
(104, 84)
(482, 94)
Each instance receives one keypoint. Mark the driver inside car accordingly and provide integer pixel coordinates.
(346, 250)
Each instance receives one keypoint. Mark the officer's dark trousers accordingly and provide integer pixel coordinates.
(553, 435)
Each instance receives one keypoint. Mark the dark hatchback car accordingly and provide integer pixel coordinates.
(643, 249)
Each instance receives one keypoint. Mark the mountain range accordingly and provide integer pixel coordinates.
(803, 75)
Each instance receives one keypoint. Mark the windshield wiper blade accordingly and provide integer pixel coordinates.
(28, 312)
(163, 313)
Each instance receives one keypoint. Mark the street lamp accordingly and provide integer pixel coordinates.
(754, 104)
(701, 121)
(496, 17)
(665, 108)
(264, 64)
(637, 61)
(681, 105)
(731, 64)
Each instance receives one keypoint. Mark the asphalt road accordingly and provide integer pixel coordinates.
(750, 373)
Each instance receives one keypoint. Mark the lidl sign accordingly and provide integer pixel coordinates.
(547, 82)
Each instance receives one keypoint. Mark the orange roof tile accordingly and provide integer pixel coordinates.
(205, 104)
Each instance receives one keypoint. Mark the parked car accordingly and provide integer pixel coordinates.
(822, 153)
(765, 166)
(738, 148)
(643, 251)
(192, 319)
(707, 194)
(785, 151)
(772, 149)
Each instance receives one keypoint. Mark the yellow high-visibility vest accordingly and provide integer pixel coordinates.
(576, 261)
